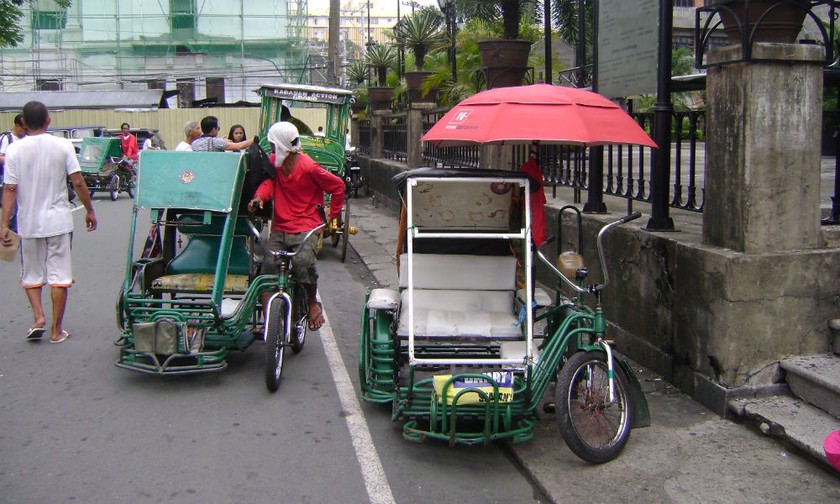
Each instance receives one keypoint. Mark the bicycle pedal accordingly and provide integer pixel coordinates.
(549, 407)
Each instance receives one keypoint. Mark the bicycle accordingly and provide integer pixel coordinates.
(287, 311)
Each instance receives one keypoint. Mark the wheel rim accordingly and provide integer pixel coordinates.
(598, 423)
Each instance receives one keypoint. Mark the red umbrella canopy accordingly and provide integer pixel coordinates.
(550, 114)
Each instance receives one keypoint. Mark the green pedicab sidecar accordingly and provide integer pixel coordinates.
(327, 150)
(183, 311)
(99, 158)
(454, 348)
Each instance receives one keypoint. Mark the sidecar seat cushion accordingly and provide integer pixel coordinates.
(460, 297)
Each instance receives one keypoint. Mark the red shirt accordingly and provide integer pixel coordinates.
(129, 146)
(537, 197)
(296, 196)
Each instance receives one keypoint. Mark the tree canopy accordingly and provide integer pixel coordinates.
(11, 15)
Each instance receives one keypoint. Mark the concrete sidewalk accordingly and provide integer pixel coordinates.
(687, 455)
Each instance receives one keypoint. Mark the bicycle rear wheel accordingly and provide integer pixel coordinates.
(275, 336)
(593, 428)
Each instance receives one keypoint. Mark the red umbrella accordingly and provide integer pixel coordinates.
(550, 114)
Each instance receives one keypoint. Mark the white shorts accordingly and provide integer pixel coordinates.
(46, 261)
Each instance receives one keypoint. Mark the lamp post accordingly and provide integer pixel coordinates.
(448, 9)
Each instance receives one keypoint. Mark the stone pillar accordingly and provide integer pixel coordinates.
(414, 128)
(763, 148)
(377, 135)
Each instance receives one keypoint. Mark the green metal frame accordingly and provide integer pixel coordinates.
(328, 150)
(387, 375)
(208, 187)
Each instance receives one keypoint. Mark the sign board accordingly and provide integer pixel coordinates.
(310, 94)
(628, 38)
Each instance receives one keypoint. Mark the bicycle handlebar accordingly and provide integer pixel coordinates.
(601, 257)
(287, 253)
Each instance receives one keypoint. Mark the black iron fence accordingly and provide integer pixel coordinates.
(626, 170)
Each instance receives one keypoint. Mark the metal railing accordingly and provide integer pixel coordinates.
(626, 168)
(395, 136)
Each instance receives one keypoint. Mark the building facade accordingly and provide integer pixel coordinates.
(209, 50)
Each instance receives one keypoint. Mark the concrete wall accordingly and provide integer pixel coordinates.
(712, 321)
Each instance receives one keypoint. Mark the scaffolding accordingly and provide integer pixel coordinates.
(214, 50)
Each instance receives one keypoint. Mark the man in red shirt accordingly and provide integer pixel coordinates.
(297, 191)
(130, 149)
(128, 142)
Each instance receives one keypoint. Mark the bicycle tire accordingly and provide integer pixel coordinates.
(593, 429)
(114, 186)
(275, 335)
(300, 319)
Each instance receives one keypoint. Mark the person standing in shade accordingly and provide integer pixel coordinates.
(37, 168)
(6, 139)
(191, 131)
(209, 140)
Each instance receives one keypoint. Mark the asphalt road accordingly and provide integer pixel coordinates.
(75, 428)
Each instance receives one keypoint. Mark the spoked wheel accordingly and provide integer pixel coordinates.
(275, 335)
(346, 230)
(300, 319)
(114, 186)
(595, 429)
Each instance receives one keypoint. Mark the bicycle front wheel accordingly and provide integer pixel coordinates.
(594, 428)
(275, 339)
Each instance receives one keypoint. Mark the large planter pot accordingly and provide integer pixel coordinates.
(782, 24)
(380, 97)
(414, 81)
(505, 61)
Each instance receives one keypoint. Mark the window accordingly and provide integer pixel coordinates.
(46, 15)
(49, 85)
(182, 15)
(216, 88)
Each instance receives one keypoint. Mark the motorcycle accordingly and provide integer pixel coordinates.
(353, 178)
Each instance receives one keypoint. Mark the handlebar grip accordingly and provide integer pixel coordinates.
(322, 213)
(631, 217)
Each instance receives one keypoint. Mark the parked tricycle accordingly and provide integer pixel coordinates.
(466, 347)
(104, 168)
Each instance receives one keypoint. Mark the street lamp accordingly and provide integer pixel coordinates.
(448, 9)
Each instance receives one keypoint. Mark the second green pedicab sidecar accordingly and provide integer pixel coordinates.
(183, 311)
(100, 159)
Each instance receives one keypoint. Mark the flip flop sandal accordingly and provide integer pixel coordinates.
(311, 326)
(62, 339)
(36, 333)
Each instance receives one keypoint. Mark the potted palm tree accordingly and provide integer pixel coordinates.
(380, 58)
(421, 33)
(505, 59)
(356, 72)
(771, 20)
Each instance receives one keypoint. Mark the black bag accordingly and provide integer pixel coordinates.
(258, 169)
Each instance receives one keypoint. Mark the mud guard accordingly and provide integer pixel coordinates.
(641, 413)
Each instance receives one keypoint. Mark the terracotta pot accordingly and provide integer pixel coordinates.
(782, 24)
(414, 81)
(505, 61)
(380, 97)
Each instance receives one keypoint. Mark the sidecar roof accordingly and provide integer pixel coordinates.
(191, 180)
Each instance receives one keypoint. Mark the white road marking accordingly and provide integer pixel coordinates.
(376, 482)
